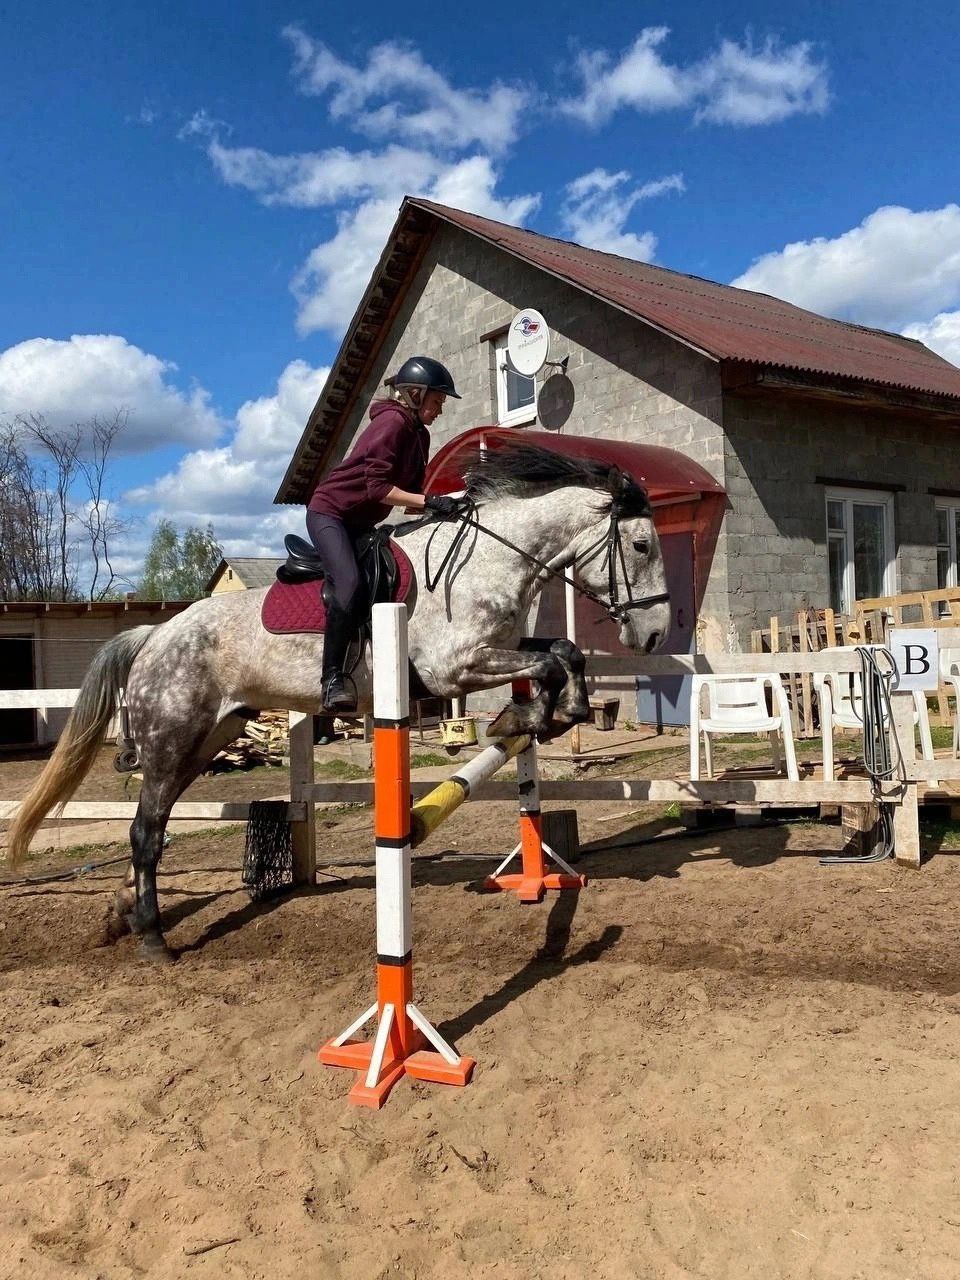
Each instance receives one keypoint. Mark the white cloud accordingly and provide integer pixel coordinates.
(415, 101)
(896, 268)
(312, 179)
(941, 334)
(232, 487)
(330, 283)
(735, 84)
(598, 205)
(91, 375)
(272, 426)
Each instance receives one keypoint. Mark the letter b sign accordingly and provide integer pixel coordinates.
(917, 657)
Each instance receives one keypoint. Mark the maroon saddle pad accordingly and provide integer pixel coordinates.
(298, 606)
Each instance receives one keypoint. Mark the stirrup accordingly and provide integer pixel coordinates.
(336, 697)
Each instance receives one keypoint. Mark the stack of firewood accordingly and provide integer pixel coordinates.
(265, 741)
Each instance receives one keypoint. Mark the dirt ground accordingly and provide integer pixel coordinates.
(720, 1060)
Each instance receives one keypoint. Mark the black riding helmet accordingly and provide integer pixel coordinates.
(423, 371)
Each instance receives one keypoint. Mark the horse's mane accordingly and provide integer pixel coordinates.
(516, 469)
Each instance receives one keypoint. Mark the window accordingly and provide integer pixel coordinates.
(859, 546)
(948, 541)
(516, 394)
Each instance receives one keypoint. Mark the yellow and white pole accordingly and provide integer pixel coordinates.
(402, 1030)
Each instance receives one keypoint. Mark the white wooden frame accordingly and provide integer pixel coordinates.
(866, 497)
(526, 414)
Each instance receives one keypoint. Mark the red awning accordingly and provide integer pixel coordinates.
(684, 495)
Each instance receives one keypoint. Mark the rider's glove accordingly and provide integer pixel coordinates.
(442, 505)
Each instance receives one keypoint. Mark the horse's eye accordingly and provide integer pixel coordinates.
(641, 546)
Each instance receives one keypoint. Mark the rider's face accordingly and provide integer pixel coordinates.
(432, 407)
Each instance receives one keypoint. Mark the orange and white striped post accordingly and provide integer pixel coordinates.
(402, 1031)
(534, 878)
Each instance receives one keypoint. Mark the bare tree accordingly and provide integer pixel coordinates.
(54, 509)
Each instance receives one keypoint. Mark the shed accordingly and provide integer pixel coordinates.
(243, 573)
(49, 644)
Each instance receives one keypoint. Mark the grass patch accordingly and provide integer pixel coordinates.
(342, 771)
(429, 760)
(941, 835)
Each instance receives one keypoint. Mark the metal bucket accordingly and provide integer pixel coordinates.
(457, 733)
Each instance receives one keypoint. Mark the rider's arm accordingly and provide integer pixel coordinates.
(401, 498)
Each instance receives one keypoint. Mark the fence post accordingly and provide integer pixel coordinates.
(906, 816)
(303, 834)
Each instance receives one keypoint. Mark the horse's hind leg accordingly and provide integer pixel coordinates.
(146, 839)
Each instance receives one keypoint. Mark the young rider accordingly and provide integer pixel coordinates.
(384, 469)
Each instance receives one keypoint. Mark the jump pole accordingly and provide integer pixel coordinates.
(402, 1031)
(533, 880)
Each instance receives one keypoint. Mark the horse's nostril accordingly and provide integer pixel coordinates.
(652, 642)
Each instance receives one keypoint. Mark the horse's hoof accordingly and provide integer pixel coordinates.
(115, 927)
(509, 724)
(153, 948)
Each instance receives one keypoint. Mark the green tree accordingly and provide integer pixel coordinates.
(179, 567)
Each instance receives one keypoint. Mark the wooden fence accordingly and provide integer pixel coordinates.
(810, 791)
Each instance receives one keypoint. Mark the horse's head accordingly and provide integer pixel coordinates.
(630, 572)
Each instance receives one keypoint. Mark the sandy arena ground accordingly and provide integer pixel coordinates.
(722, 1060)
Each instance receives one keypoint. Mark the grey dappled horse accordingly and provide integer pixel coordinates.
(191, 683)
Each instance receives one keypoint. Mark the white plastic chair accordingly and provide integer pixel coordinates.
(840, 695)
(738, 704)
(950, 674)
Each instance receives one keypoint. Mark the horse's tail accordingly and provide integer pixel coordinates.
(74, 754)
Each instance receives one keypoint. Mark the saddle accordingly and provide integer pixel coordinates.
(295, 603)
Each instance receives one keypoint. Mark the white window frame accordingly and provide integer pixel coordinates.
(527, 413)
(866, 497)
(953, 510)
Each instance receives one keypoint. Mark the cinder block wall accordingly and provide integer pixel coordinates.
(775, 545)
(630, 381)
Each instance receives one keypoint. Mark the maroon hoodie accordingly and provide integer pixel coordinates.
(391, 451)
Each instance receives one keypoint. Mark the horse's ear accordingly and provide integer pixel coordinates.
(618, 482)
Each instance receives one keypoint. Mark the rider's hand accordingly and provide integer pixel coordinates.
(442, 505)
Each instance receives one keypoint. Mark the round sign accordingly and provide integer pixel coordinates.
(528, 342)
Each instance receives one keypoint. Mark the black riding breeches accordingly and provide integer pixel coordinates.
(335, 548)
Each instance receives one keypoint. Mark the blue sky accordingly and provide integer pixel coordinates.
(194, 196)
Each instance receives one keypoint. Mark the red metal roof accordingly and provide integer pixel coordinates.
(719, 320)
(683, 494)
(664, 473)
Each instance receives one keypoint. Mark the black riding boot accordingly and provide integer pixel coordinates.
(338, 695)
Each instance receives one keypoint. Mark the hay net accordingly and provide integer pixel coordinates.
(268, 854)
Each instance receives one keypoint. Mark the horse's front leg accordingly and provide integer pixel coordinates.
(572, 704)
(486, 668)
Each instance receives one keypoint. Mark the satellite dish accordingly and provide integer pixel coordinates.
(528, 342)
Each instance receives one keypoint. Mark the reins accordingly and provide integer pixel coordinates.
(612, 540)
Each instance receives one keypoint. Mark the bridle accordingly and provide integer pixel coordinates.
(610, 543)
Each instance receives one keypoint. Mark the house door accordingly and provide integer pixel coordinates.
(18, 728)
(665, 700)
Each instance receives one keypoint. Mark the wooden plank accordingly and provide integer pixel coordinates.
(304, 832)
(830, 629)
(41, 699)
(943, 769)
(806, 685)
(906, 819)
(209, 809)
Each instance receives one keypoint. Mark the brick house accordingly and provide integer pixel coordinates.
(831, 440)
